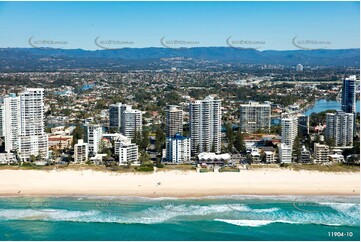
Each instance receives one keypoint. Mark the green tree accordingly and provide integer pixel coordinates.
(32, 158)
(331, 142)
(239, 142)
(144, 157)
(297, 148)
(137, 137)
(230, 137)
(213, 148)
(159, 139)
(144, 142)
(230, 147)
(276, 129)
(78, 133)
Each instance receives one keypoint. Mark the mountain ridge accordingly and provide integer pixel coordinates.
(16, 57)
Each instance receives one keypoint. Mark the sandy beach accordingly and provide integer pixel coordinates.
(177, 183)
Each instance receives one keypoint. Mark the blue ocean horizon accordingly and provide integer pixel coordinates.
(209, 218)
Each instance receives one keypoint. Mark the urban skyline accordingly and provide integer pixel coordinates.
(180, 121)
(22, 126)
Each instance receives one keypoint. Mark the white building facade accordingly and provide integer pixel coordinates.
(131, 120)
(289, 130)
(339, 128)
(178, 149)
(23, 124)
(205, 125)
(93, 136)
(285, 153)
(1, 117)
(126, 150)
(81, 152)
(11, 122)
(255, 116)
(321, 153)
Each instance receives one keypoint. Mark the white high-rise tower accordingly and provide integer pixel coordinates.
(289, 130)
(33, 139)
(11, 122)
(131, 122)
(339, 128)
(205, 125)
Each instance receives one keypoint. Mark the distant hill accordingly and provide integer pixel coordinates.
(33, 58)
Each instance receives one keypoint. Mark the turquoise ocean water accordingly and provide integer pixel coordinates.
(211, 218)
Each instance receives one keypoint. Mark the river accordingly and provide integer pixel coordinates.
(323, 105)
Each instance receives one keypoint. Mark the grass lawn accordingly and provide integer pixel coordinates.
(338, 167)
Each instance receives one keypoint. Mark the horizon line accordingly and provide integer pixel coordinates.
(180, 48)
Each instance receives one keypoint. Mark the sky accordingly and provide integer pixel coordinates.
(102, 25)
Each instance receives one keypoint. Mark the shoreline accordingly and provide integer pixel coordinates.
(177, 184)
(210, 197)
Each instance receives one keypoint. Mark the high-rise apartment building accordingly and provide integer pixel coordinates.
(348, 103)
(178, 149)
(1, 117)
(126, 150)
(131, 122)
(255, 116)
(205, 125)
(93, 136)
(115, 115)
(321, 153)
(81, 152)
(174, 121)
(11, 122)
(303, 125)
(33, 141)
(289, 131)
(339, 128)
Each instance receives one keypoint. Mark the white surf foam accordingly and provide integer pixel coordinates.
(258, 223)
(348, 209)
(252, 223)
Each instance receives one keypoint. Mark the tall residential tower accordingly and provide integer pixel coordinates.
(348, 103)
(131, 122)
(205, 125)
(255, 116)
(339, 128)
(289, 130)
(174, 121)
(115, 115)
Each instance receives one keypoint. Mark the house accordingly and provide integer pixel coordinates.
(213, 158)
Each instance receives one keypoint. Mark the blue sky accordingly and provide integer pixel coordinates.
(143, 24)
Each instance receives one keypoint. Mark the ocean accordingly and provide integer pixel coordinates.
(209, 218)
